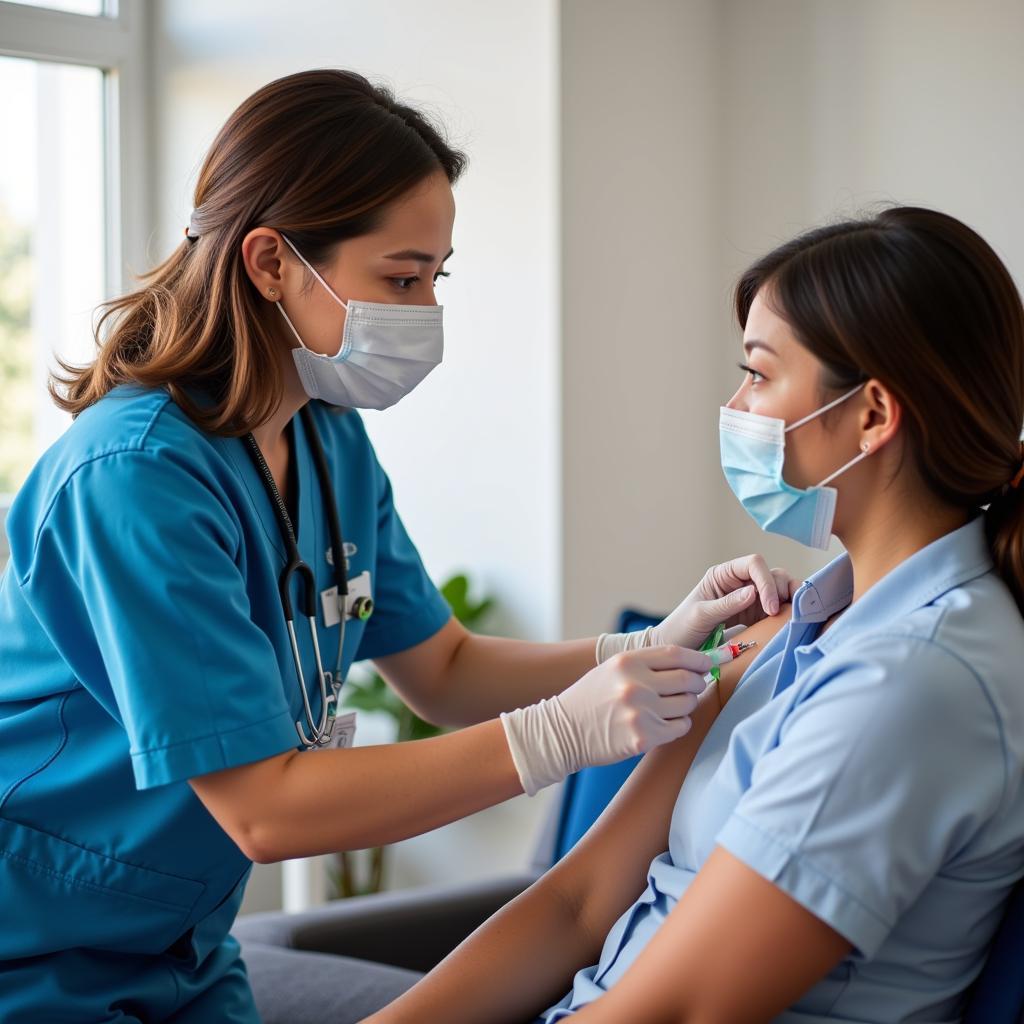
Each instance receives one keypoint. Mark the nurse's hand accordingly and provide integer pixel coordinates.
(633, 702)
(738, 593)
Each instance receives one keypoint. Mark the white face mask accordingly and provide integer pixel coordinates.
(386, 350)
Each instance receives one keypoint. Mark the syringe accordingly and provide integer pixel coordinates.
(723, 655)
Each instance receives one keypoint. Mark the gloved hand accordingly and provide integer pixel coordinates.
(626, 706)
(738, 593)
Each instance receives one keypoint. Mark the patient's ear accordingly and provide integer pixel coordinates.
(762, 632)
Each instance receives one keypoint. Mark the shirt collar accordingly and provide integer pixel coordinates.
(946, 563)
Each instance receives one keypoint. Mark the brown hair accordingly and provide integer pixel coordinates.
(317, 155)
(920, 302)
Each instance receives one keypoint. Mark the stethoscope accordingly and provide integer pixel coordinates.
(321, 730)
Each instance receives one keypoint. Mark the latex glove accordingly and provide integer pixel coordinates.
(626, 706)
(738, 593)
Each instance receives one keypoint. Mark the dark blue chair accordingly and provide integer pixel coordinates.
(998, 994)
(418, 928)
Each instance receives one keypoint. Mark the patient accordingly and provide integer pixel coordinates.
(836, 839)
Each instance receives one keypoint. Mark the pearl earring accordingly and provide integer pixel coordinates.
(865, 446)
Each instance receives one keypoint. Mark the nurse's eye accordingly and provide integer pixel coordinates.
(404, 284)
(755, 376)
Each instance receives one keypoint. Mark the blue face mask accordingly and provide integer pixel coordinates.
(753, 454)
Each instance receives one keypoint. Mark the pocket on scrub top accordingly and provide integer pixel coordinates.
(192, 948)
(58, 895)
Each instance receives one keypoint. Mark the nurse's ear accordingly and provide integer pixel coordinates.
(880, 417)
(265, 265)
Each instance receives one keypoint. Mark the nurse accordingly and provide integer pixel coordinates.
(197, 562)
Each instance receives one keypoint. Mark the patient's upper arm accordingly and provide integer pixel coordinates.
(606, 871)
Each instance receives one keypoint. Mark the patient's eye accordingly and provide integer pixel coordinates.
(755, 376)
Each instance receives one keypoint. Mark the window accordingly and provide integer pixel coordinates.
(71, 217)
(51, 245)
(90, 7)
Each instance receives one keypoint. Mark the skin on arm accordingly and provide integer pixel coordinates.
(734, 950)
(280, 807)
(777, 950)
(496, 975)
(320, 801)
(460, 678)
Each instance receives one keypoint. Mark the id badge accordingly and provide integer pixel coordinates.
(344, 735)
(359, 589)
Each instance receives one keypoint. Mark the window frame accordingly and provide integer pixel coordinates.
(118, 43)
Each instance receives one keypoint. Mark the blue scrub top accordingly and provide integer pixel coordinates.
(874, 774)
(142, 643)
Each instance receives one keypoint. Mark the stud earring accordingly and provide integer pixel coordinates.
(272, 293)
(865, 446)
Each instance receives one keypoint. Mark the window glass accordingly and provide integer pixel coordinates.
(52, 248)
(93, 7)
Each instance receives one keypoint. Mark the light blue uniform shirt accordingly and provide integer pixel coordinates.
(142, 643)
(873, 773)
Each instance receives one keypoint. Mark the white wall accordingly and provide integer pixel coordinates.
(639, 231)
(473, 454)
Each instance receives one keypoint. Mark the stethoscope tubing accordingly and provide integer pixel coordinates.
(320, 731)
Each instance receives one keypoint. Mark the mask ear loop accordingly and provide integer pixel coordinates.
(330, 291)
(288, 321)
(842, 469)
(824, 409)
(819, 412)
(309, 266)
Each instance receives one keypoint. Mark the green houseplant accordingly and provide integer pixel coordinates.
(370, 693)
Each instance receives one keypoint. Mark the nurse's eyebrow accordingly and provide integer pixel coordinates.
(749, 346)
(417, 256)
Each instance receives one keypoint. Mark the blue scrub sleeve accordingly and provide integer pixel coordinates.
(136, 578)
(408, 608)
(887, 767)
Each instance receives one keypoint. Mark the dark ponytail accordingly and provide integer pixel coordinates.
(919, 301)
(1004, 527)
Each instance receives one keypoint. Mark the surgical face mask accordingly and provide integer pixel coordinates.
(386, 350)
(753, 454)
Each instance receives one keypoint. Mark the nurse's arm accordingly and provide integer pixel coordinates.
(523, 959)
(299, 804)
(734, 950)
(460, 678)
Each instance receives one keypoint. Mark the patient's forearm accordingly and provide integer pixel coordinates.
(512, 968)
